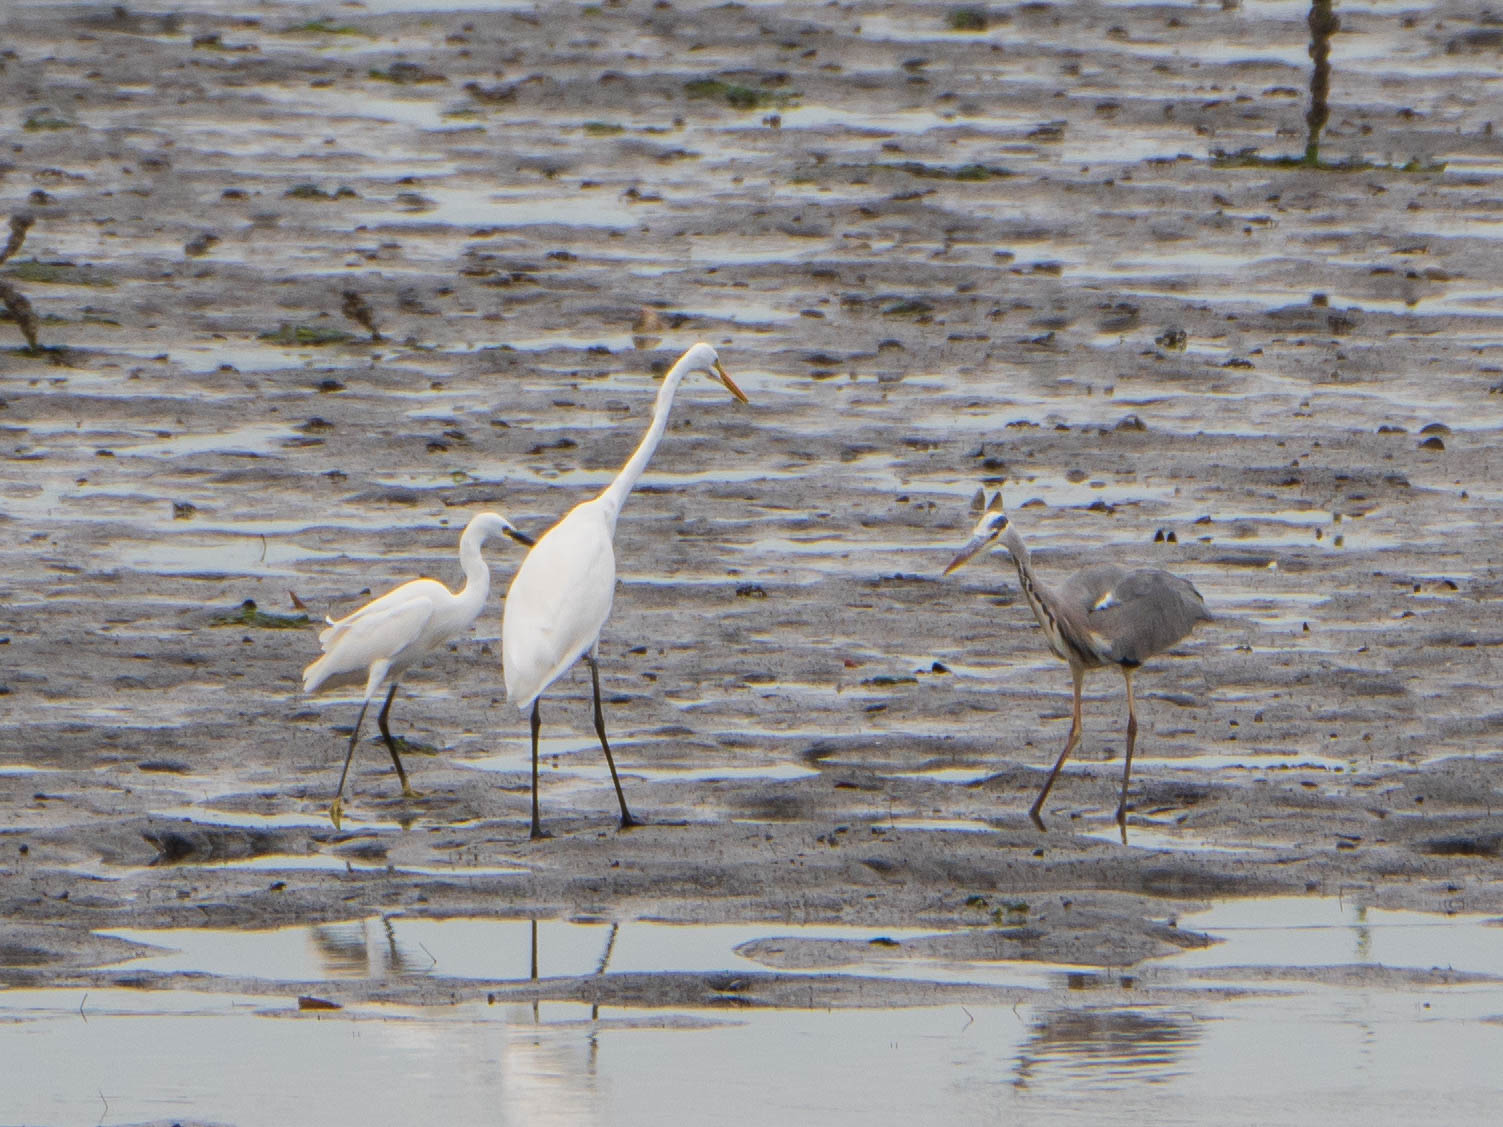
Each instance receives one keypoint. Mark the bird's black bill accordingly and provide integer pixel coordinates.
(520, 537)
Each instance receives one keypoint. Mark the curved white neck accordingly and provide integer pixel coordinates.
(477, 574)
(614, 496)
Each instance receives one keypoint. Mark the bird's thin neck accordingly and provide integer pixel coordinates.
(477, 574)
(1039, 597)
(615, 494)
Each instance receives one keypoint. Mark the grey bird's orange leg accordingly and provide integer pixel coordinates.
(1078, 674)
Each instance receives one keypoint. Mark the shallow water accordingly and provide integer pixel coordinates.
(1081, 1049)
(259, 1061)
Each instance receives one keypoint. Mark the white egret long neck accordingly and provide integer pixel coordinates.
(1039, 597)
(477, 574)
(616, 493)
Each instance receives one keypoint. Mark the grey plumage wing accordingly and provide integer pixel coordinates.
(1136, 614)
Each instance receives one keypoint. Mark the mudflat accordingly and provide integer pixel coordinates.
(314, 289)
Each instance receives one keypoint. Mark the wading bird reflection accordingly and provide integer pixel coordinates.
(1102, 615)
(387, 635)
(562, 593)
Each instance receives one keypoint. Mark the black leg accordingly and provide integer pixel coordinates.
(391, 744)
(537, 722)
(627, 820)
(336, 808)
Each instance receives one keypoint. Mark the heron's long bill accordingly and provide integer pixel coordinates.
(730, 384)
(974, 545)
(520, 537)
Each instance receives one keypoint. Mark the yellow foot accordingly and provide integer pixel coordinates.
(408, 792)
(336, 811)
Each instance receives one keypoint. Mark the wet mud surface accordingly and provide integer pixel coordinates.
(933, 259)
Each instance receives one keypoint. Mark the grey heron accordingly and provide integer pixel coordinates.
(1102, 615)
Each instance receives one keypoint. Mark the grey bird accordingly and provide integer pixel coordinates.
(1102, 615)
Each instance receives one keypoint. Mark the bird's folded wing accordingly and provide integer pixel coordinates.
(1146, 612)
(381, 608)
(379, 633)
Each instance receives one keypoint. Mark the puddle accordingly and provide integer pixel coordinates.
(1082, 1050)
(134, 1057)
(963, 776)
(491, 950)
(1163, 839)
(240, 555)
(1316, 931)
(616, 342)
(253, 439)
(425, 113)
(1250, 762)
(480, 208)
(247, 358)
(245, 819)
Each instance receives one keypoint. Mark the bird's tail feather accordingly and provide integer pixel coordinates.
(314, 675)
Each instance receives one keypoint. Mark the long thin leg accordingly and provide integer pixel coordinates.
(391, 745)
(1132, 738)
(336, 808)
(537, 722)
(627, 820)
(1078, 674)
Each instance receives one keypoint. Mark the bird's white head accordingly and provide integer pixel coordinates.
(485, 525)
(993, 524)
(702, 358)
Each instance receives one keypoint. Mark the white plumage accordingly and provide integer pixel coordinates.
(381, 640)
(558, 601)
(561, 595)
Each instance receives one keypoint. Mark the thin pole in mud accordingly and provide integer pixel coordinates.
(1324, 23)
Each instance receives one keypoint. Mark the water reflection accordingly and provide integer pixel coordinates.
(1105, 1048)
(348, 950)
(550, 1071)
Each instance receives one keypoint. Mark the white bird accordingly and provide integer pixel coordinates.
(561, 595)
(387, 635)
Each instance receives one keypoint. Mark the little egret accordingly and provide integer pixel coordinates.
(1102, 615)
(386, 636)
(561, 595)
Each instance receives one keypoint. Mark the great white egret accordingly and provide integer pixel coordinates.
(561, 595)
(387, 635)
(1102, 615)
